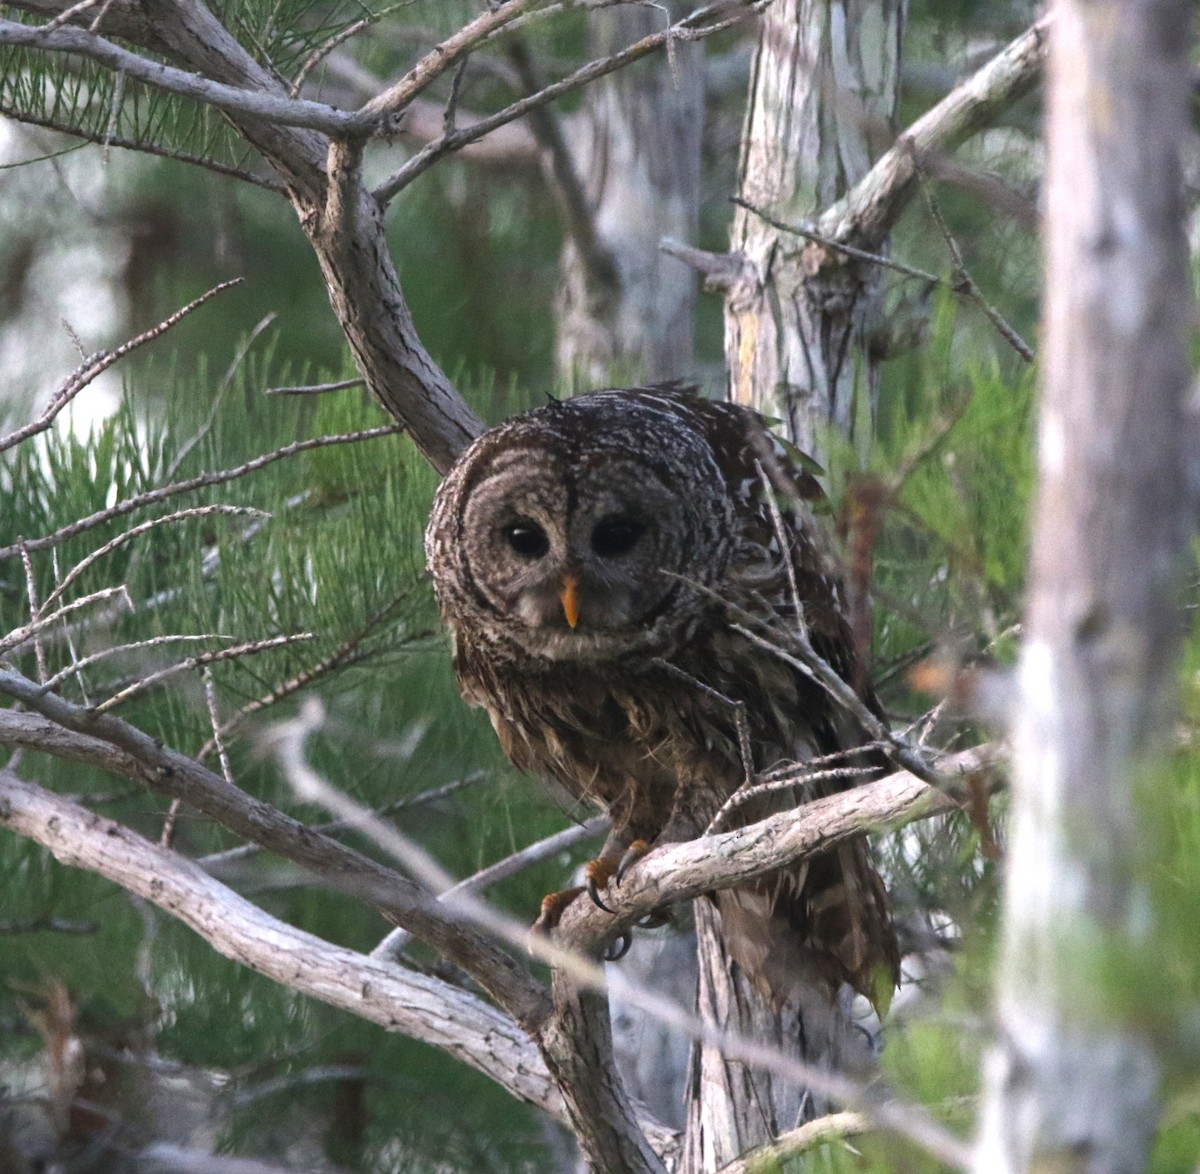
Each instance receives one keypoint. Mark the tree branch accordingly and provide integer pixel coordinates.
(425, 1008)
(282, 111)
(395, 896)
(688, 29)
(867, 212)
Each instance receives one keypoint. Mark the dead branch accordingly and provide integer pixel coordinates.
(691, 28)
(133, 754)
(425, 1008)
(831, 1127)
(95, 364)
(867, 212)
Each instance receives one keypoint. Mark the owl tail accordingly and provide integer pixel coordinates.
(826, 921)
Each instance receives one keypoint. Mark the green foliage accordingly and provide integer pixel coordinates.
(395, 729)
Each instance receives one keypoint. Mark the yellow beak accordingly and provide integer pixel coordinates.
(570, 599)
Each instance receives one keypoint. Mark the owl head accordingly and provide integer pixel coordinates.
(583, 530)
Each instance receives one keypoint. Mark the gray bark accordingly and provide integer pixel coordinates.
(625, 308)
(823, 94)
(1068, 1090)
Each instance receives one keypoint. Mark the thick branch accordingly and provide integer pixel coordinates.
(400, 1000)
(873, 205)
(283, 111)
(392, 894)
(679, 872)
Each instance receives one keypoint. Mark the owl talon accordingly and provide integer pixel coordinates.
(553, 907)
(597, 874)
(594, 893)
(633, 854)
(618, 947)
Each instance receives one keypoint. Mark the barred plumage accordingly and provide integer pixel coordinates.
(592, 559)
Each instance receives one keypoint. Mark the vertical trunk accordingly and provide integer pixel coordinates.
(636, 150)
(823, 93)
(1068, 1088)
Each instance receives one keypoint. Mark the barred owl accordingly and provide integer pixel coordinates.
(599, 562)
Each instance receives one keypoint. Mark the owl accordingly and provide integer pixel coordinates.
(599, 562)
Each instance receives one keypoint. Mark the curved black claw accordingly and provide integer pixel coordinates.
(632, 855)
(593, 891)
(618, 947)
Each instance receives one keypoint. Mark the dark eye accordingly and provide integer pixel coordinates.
(528, 539)
(616, 535)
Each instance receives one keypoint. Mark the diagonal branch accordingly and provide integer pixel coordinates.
(423, 1007)
(283, 111)
(867, 212)
(691, 28)
(400, 900)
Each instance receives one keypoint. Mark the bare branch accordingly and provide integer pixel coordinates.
(871, 207)
(141, 145)
(342, 655)
(283, 111)
(134, 754)
(965, 283)
(560, 170)
(831, 1127)
(425, 1008)
(849, 250)
(393, 945)
(118, 649)
(93, 365)
(193, 662)
(203, 481)
(441, 58)
(315, 388)
(135, 531)
(19, 636)
(691, 28)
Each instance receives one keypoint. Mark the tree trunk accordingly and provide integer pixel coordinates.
(1071, 1086)
(823, 93)
(625, 308)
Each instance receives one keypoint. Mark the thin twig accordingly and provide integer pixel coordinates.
(216, 860)
(192, 662)
(450, 114)
(35, 612)
(340, 657)
(965, 283)
(827, 242)
(203, 481)
(128, 535)
(210, 697)
(94, 364)
(340, 38)
(316, 388)
(19, 636)
(394, 943)
(799, 773)
(152, 642)
(682, 30)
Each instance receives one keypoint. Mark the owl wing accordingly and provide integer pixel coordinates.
(829, 917)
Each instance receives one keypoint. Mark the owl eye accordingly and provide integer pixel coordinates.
(528, 539)
(616, 535)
